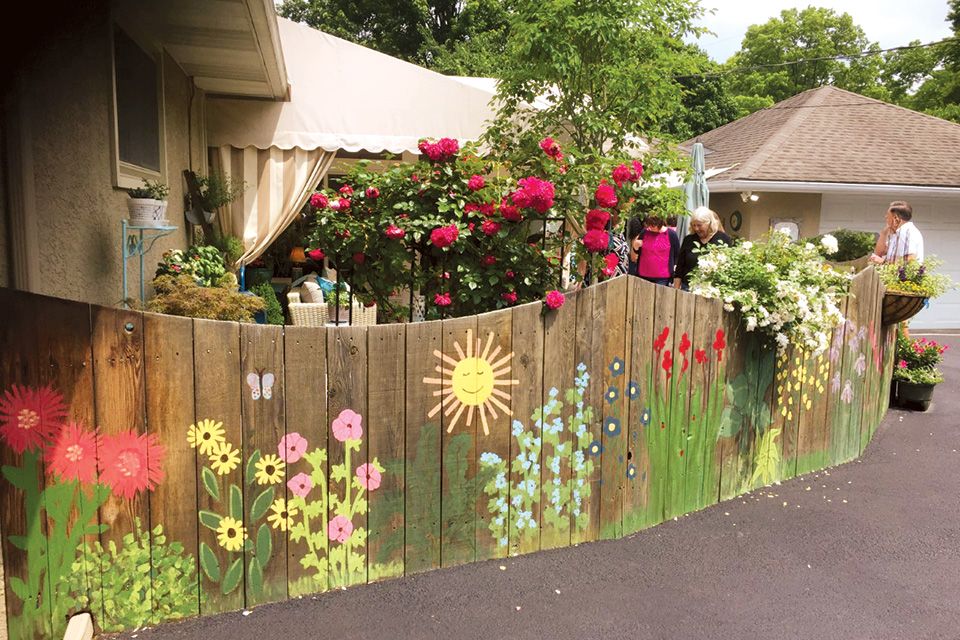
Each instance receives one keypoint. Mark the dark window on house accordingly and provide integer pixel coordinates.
(138, 117)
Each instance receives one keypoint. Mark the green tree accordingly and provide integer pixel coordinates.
(814, 32)
(707, 101)
(939, 95)
(453, 36)
(600, 70)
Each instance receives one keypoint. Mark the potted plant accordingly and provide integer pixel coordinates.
(338, 299)
(916, 372)
(147, 206)
(909, 286)
(216, 190)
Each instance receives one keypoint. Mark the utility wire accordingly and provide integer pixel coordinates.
(844, 56)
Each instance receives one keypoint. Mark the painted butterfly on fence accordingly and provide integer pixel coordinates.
(261, 385)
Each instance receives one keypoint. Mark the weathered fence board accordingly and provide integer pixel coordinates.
(640, 298)
(613, 458)
(730, 351)
(678, 426)
(303, 515)
(661, 394)
(217, 440)
(585, 506)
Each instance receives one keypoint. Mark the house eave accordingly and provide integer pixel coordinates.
(783, 186)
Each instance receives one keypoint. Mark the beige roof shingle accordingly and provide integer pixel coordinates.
(831, 135)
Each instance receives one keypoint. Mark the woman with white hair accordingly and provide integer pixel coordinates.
(705, 225)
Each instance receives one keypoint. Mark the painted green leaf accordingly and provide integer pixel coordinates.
(236, 502)
(255, 575)
(252, 466)
(260, 504)
(16, 476)
(232, 577)
(210, 483)
(730, 423)
(209, 519)
(209, 563)
(19, 587)
(20, 542)
(95, 529)
(264, 544)
(767, 457)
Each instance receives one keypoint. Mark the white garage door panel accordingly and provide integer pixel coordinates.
(938, 220)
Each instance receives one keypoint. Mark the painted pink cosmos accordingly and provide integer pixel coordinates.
(368, 476)
(339, 529)
(292, 447)
(348, 426)
(300, 485)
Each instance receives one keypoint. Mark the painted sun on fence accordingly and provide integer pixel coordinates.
(473, 382)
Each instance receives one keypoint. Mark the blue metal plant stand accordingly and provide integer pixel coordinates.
(137, 242)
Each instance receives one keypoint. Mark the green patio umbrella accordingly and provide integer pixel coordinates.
(696, 190)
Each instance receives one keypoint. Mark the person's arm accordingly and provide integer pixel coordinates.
(674, 250)
(880, 251)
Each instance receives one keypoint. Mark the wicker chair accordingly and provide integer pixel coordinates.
(316, 314)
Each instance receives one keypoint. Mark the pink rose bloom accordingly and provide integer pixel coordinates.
(596, 240)
(335, 205)
(373, 192)
(319, 201)
(444, 236)
(509, 296)
(300, 485)
(622, 174)
(902, 364)
(442, 299)
(430, 150)
(510, 212)
(471, 207)
(317, 255)
(342, 204)
(347, 426)
(488, 209)
(606, 196)
(534, 193)
(490, 227)
(637, 169)
(393, 231)
(597, 219)
(554, 299)
(551, 148)
(612, 261)
(368, 477)
(489, 260)
(359, 258)
(448, 147)
(346, 190)
(292, 447)
(476, 183)
(339, 529)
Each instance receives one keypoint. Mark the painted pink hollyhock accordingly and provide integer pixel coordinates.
(319, 201)
(300, 485)
(339, 529)
(348, 426)
(395, 232)
(368, 476)
(606, 196)
(554, 299)
(292, 447)
(476, 183)
(847, 394)
(596, 240)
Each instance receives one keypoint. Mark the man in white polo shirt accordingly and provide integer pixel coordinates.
(900, 240)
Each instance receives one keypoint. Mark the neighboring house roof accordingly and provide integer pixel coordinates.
(828, 135)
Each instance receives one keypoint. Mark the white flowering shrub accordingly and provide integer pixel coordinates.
(783, 290)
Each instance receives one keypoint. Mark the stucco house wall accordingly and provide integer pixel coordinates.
(78, 209)
(803, 207)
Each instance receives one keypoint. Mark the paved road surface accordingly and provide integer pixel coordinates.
(869, 549)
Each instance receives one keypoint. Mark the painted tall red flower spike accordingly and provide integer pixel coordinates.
(701, 356)
(131, 462)
(684, 344)
(719, 344)
(73, 455)
(661, 340)
(30, 418)
(667, 364)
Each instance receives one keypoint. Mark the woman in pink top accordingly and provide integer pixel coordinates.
(658, 253)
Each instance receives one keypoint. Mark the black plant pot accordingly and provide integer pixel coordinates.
(914, 396)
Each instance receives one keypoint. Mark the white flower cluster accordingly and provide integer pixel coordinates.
(782, 289)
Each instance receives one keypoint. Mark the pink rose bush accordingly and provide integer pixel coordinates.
(444, 236)
(534, 194)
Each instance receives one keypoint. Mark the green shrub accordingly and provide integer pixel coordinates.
(851, 245)
(182, 296)
(274, 310)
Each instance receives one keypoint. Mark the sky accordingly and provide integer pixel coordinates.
(892, 23)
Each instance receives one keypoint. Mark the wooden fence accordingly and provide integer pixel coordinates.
(157, 467)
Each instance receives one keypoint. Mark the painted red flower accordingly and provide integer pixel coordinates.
(73, 455)
(701, 356)
(131, 462)
(684, 344)
(368, 476)
(597, 219)
(719, 344)
(476, 183)
(348, 426)
(667, 363)
(29, 418)
(339, 529)
(661, 340)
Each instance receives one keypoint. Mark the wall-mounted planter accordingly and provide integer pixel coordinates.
(898, 307)
(147, 212)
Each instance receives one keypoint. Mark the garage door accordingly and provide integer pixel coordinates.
(938, 220)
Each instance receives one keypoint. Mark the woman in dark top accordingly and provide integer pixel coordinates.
(705, 226)
(634, 231)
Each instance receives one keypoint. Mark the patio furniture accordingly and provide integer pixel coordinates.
(317, 314)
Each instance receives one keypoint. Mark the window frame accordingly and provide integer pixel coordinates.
(125, 174)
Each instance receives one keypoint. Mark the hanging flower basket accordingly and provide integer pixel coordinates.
(898, 307)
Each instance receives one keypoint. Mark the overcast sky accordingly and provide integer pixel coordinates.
(890, 22)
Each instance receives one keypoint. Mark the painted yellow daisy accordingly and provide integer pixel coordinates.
(269, 469)
(224, 458)
(282, 516)
(207, 435)
(230, 534)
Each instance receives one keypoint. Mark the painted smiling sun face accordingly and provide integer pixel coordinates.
(474, 383)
